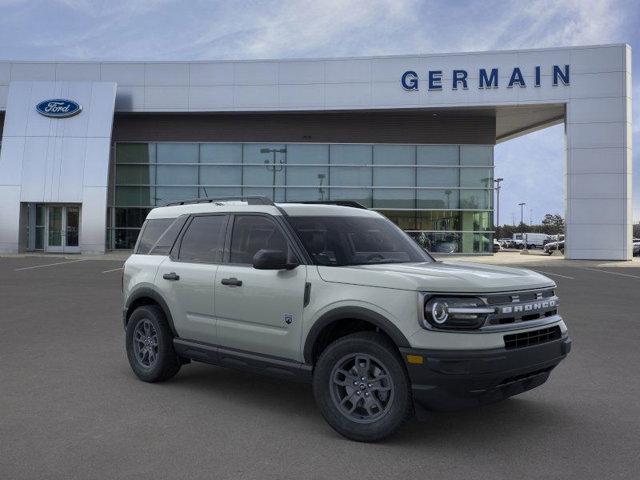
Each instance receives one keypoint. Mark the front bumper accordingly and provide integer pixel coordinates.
(455, 379)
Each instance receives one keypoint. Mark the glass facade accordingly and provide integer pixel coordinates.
(442, 195)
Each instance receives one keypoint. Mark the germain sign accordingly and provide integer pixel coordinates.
(487, 78)
(58, 108)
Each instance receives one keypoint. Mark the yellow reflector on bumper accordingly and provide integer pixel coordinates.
(416, 359)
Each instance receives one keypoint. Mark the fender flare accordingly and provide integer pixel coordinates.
(357, 313)
(147, 292)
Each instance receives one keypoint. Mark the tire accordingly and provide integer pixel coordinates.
(388, 403)
(159, 362)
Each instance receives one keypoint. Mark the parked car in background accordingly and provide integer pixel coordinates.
(636, 247)
(533, 240)
(551, 247)
(496, 246)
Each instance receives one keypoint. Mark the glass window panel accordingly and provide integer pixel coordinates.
(351, 154)
(311, 175)
(476, 177)
(135, 175)
(221, 153)
(218, 192)
(438, 220)
(449, 242)
(214, 175)
(307, 154)
(124, 239)
(135, 196)
(393, 198)
(405, 220)
(438, 177)
(177, 175)
(252, 233)
(307, 194)
(394, 176)
(135, 153)
(351, 176)
(438, 155)
(165, 195)
(360, 195)
(40, 215)
(177, 153)
(130, 217)
(440, 199)
(476, 199)
(477, 242)
(39, 238)
(204, 239)
(476, 155)
(152, 231)
(476, 221)
(263, 173)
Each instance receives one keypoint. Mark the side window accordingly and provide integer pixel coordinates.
(168, 238)
(203, 240)
(252, 233)
(151, 233)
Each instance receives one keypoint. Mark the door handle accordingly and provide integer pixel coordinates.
(232, 282)
(171, 276)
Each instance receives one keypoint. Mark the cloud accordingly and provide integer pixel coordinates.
(251, 29)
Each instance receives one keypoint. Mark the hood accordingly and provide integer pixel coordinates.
(442, 277)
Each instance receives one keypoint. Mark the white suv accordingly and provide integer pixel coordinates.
(339, 296)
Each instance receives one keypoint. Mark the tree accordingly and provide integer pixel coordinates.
(553, 220)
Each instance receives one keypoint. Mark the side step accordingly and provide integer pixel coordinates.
(241, 360)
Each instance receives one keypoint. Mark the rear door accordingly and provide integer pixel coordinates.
(186, 278)
(259, 311)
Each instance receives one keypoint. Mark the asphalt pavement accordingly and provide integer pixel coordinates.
(70, 408)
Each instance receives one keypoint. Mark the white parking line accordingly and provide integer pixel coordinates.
(49, 265)
(555, 275)
(611, 273)
(113, 270)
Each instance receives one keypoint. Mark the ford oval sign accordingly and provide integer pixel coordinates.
(58, 108)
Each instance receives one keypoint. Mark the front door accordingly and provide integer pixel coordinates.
(62, 229)
(259, 311)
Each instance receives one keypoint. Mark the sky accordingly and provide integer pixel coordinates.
(532, 165)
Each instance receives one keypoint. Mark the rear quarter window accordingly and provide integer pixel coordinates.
(151, 232)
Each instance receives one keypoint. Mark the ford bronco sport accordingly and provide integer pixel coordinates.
(339, 296)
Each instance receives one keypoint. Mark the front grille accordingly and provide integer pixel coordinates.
(534, 337)
(521, 306)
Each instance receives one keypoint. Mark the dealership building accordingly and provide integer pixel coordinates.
(88, 148)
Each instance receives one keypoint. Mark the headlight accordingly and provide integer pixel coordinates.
(455, 312)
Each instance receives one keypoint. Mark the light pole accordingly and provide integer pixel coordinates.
(448, 194)
(498, 187)
(524, 239)
(522, 212)
(274, 165)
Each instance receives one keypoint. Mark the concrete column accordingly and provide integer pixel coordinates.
(598, 206)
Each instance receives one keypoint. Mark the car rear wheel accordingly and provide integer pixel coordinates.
(150, 345)
(362, 388)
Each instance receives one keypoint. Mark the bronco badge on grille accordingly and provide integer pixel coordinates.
(528, 307)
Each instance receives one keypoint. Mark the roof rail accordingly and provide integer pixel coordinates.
(340, 203)
(250, 199)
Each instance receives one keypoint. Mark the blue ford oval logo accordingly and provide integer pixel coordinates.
(58, 108)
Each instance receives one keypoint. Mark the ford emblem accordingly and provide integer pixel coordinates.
(58, 108)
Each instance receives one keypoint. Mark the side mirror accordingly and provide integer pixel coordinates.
(272, 260)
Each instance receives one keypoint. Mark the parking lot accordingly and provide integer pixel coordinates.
(71, 408)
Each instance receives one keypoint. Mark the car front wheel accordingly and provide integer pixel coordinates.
(362, 388)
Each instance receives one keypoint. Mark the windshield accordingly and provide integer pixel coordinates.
(340, 241)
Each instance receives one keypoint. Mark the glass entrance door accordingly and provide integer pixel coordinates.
(62, 229)
(54, 230)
